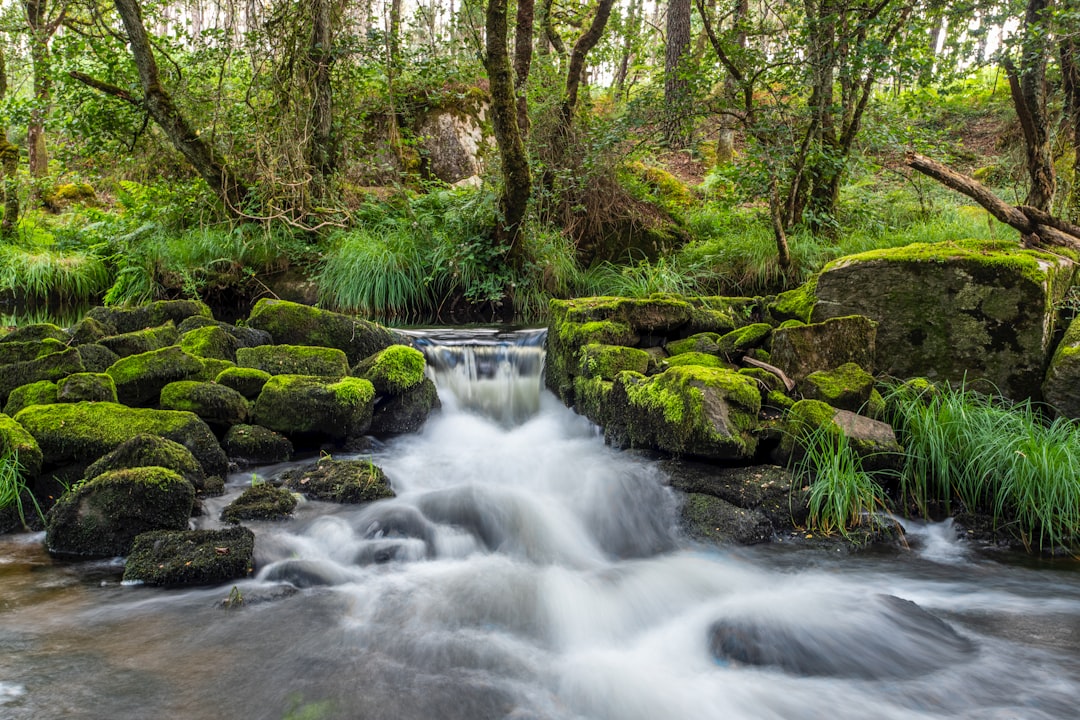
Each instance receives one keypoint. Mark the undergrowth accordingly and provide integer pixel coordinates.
(13, 487)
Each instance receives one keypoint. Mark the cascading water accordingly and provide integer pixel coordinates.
(525, 570)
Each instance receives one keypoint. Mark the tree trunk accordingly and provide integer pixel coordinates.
(321, 148)
(725, 139)
(630, 33)
(41, 30)
(523, 48)
(1070, 71)
(163, 110)
(576, 70)
(393, 38)
(517, 182)
(9, 160)
(678, 118)
(550, 36)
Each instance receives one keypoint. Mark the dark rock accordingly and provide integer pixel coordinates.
(341, 481)
(295, 360)
(141, 341)
(190, 557)
(42, 392)
(295, 324)
(140, 378)
(211, 341)
(708, 518)
(301, 406)
(256, 445)
(407, 412)
(48, 367)
(803, 349)
(127, 320)
(246, 381)
(96, 358)
(148, 450)
(36, 333)
(244, 336)
(96, 387)
(261, 501)
(219, 406)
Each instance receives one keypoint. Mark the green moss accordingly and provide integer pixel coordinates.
(126, 320)
(42, 392)
(295, 360)
(141, 341)
(303, 405)
(799, 351)
(605, 332)
(212, 367)
(795, 304)
(25, 351)
(354, 392)
(778, 399)
(216, 404)
(88, 331)
(847, 387)
(37, 332)
(657, 313)
(256, 445)
(593, 398)
(744, 339)
(96, 358)
(190, 557)
(705, 342)
(394, 370)
(261, 501)
(86, 386)
(607, 361)
(210, 341)
(246, 381)
(298, 324)
(48, 367)
(790, 324)
(15, 438)
(695, 358)
(82, 432)
(140, 378)
(875, 406)
(341, 481)
(147, 450)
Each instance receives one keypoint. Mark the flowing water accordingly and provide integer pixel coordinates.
(526, 571)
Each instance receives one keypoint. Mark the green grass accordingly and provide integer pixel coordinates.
(990, 456)
(72, 276)
(13, 486)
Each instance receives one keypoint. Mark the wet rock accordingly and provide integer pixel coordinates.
(149, 450)
(341, 481)
(305, 573)
(393, 371)
(256, 445)
(190, 557)
(708, 518)
(261, 501)
(767, 488)
(220, 407)
(406, 412)
(301, 406)
(246, 381)
(102, 517)
(292, 323)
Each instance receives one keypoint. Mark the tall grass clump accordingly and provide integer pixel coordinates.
(13, 486)
(72, 276)
(842, 495)
(991, 456)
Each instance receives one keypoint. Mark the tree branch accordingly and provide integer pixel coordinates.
(105, 87)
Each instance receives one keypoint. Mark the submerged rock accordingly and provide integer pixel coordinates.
(102, 517)
(261, 501)
(707, 517)
(190, 557)
(341, 481)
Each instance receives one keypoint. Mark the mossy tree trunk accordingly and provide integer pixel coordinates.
(1070, 72)
(517, 180)
(320, 56)
(9, 161)
(42, 21)
(575, 72)
(523, 48)
(678, 123)
(212, 168)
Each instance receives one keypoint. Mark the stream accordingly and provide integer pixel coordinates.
(526, 571)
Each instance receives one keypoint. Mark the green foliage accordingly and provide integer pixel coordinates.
(13, 486)
(42, 271)
(991, 456)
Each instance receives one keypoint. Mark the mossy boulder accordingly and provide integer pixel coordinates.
(140, 378)
(804, 349)
(86, 386)
(304, 406)
(217, 405)
(83, 432)
(89, 331)
(246, 381)
(42, 392)
(256, 445)
(48, 367)
(848, 387)
(176, 558)
(607, 361)
(657, 314)
(25, 351)
(797, 304)
(340, 481)
(711, 519)
(126, 320)
(705, 342)
(96, 358)
(244, 336)
(593, 398)
(295, 360)
(392, 371)
(211, 341)
(1061, 387)
(148, 450)
(37, 333)
(872, 440)
(744, 339)
(687, 410)
(956, 311)
(296, 324)
(407, 412)
(102, 517)
(695, 358)
(15, 438)
(261, 501)
(141, 341)
(212, 367)
(565, 340)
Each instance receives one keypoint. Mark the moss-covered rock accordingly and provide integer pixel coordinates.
(141, 341)
(217, 405)
(300, 406)
(688, 410)
(86, 386)
(15, 438)
(797, 304)
(42, 392)
(140, 378)
(89, 331)
(394, 370)
(767, 488)
(565, 340)
(1061, 388)
(36, 333)
(261, 501)
(695, 358)
(848, 387)
(211, 341)
(711, 519)
(83, 432)
(244, 336)
(256, 445)
(873, 441)
(96, 358)
(296, 324)
(148, 450)
(801, 350)
(954, 311)
(102, 517)
(295, 360)
(656, 314)
(246, 381)
(176, 558)
(607, 361)
(25, 351)
(48, 367)
(127, 320)
(407, 412)
(212, 367)
(705, 342)
(740, 341)
(341, 481)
